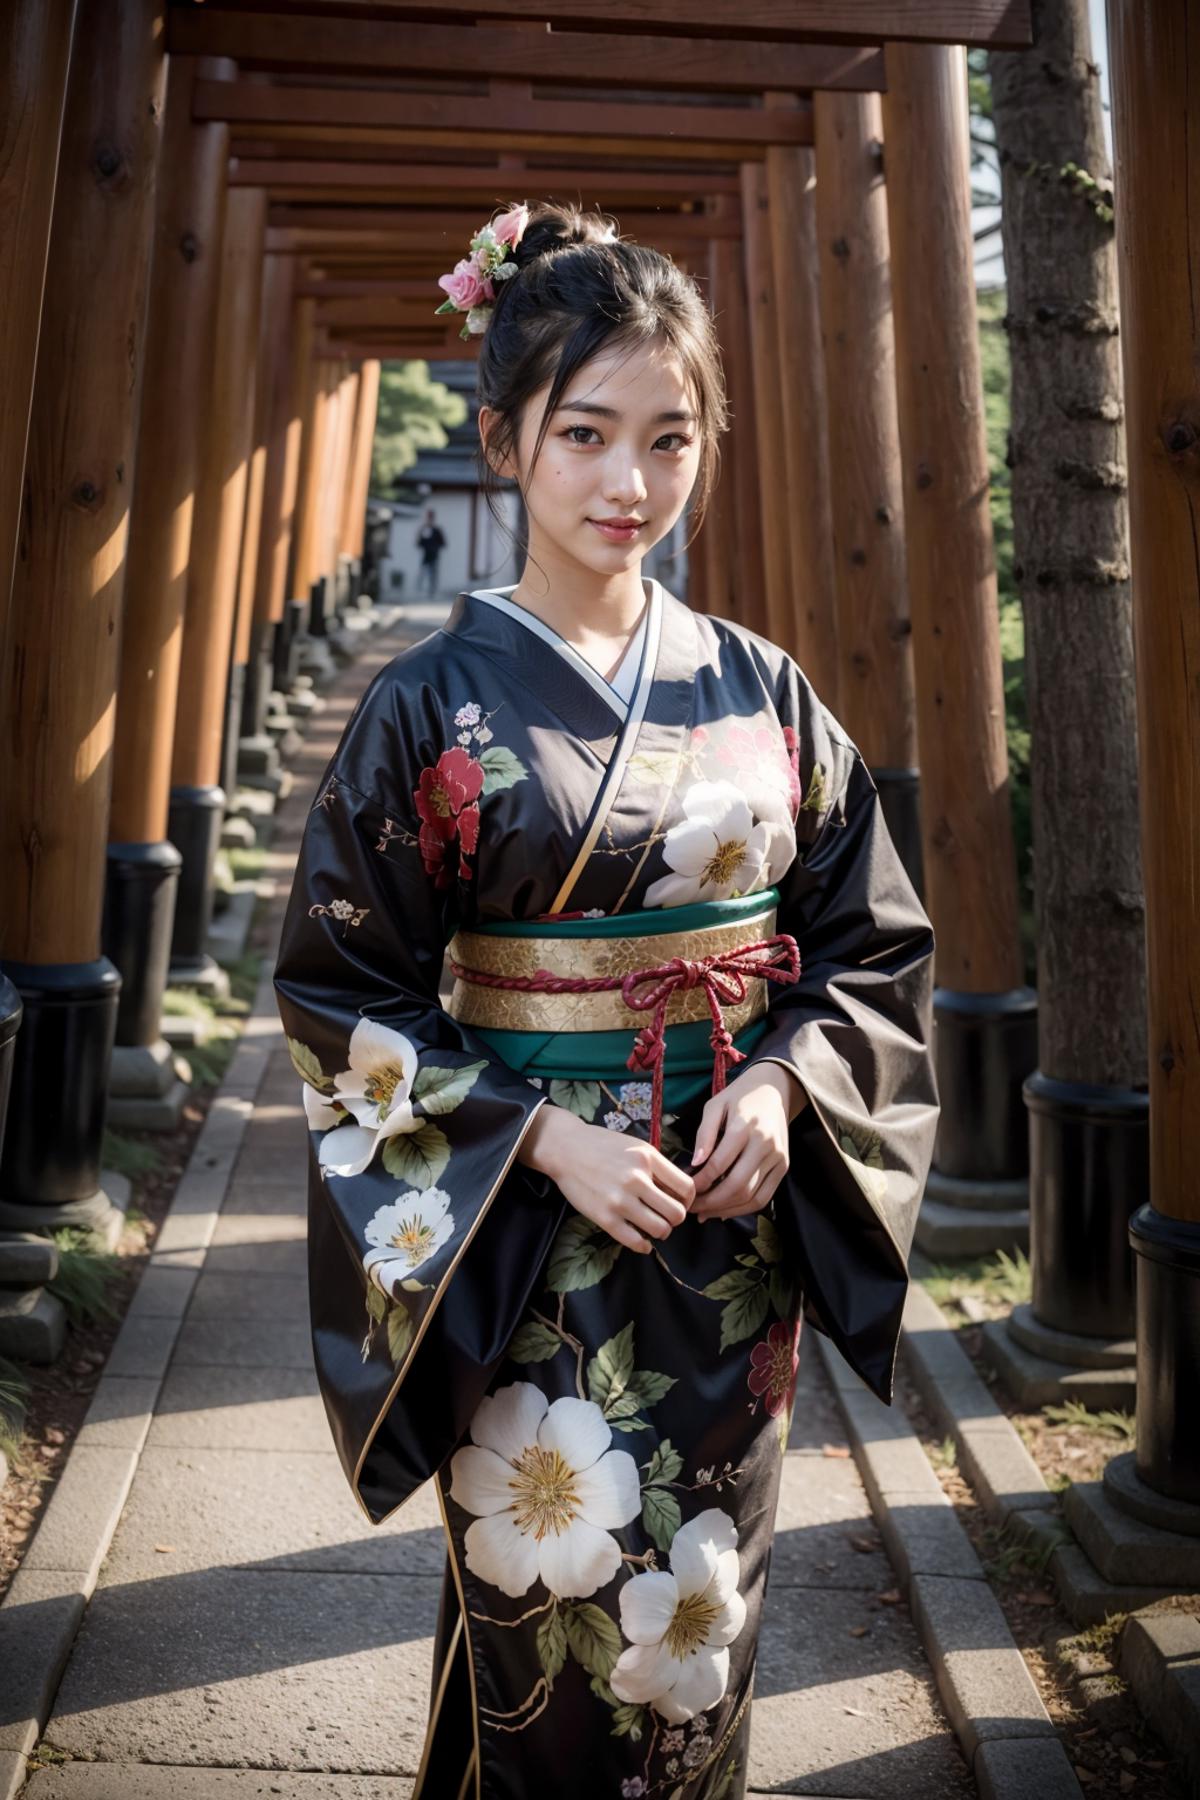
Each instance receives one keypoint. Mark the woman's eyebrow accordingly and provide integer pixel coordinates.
(610, 412)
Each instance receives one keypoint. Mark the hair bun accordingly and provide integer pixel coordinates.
(554, 227)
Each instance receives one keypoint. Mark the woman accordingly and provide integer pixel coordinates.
(692, 990)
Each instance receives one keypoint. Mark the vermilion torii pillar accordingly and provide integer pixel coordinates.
(986, 1015)
(197, 798)
(59, 676)
(143, 866)
(875, 677)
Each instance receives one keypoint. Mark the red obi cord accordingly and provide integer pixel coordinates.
(723, 977)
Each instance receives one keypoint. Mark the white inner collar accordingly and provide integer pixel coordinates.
(617, 691)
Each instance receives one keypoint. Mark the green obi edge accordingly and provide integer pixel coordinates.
(601, 1056)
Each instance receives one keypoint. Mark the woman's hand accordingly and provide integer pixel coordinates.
(750, 1118)
(624, 1185)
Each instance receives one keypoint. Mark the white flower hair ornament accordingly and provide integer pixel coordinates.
(471, 284)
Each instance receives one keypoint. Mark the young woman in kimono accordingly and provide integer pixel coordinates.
(565, 1226)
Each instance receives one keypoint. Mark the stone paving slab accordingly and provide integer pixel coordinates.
(130, 1781)
(264, 1509)
(821, 1507)
(250, 1343)
(240, 1409)
(228, 1668)
(834, 1714)
(249, 1297)
(38, 1622)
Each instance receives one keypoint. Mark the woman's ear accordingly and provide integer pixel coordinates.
(487, 421)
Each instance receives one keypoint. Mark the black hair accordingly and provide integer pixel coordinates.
(578, 290)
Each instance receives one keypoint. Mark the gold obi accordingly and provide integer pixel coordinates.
(513, 1009)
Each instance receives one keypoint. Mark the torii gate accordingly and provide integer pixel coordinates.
(321, 167)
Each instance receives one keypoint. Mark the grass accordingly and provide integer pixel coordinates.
(221, 1019)
(247, 864)
(85, 1275)
(1002, 1278)
(129, 1157)
(1109, 1423)
(14, 1393)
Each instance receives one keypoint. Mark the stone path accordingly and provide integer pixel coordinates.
(250, 1634)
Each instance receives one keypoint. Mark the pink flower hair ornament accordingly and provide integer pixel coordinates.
(470, 285)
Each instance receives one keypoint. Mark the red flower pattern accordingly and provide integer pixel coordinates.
(446, 797)
(773, 1366)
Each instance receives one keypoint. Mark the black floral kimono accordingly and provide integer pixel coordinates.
(604, 1428)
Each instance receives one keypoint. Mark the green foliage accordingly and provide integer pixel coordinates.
(413, 415)
(1108, 1423)
(220, 1020)
(130, 1157)
(14, 1393)
(86, 1272)
(1000, 1277)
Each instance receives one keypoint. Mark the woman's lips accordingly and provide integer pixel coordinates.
(618, 534)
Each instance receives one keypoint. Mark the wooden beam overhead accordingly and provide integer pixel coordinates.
(345, 110)
(284, 41)
(986, 24)
(404, 183)
(410, 230)
(341, 143)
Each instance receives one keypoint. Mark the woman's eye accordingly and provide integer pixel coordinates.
(684, 441)
(571, 429)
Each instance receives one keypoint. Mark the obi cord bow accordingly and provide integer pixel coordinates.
(723, 976)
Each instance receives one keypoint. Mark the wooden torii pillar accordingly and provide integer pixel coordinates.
(35, 46)
(1155, 65)
(768, 406)
(747, 581)
(143, 865)
(875, 682)
(197, 798)
(796, 267)
(258, 758)
(986, 1015)
(59, 676)
(354, 515)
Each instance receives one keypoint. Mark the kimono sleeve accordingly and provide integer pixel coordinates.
(856, 1031)
(414, 1127)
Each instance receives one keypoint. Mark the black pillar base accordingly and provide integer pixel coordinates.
(10, 1021)
(234, 699)
(1089, 1149)
(194, 827)
(59, 1088)
(900, 798)
(259, 681)
(985, 1046)
(139, 915)
(1167, 1253)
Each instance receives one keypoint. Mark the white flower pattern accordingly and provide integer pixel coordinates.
(547, 1492)
(717, 849)
(375, 1091)
(405, 1234)
(680, 1624)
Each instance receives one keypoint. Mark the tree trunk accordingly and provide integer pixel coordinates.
(1070, 529)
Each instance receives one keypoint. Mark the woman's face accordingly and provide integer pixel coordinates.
(623, 443)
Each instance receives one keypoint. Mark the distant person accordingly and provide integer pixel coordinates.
(431, 541)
